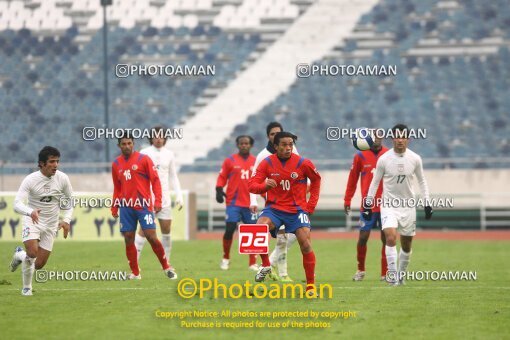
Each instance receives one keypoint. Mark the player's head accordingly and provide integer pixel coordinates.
(244, 144)
(49, 157)
(400, 137)
(377, 140)
(126, 143)
(157, 137)
(272, 129)
(284, 143)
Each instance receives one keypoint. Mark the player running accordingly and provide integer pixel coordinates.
(397, 168)
(44, 190)
(164, 161)
(133, 175)
(278, 257)
(283, 176)
(363, 165)
(236, 171)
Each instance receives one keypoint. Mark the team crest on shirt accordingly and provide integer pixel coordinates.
(134, 167)
(46, 189)
(400, 167)
(294, 175)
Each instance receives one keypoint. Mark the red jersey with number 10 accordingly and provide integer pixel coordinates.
(236, 170)
(291, 178)
(132, 181)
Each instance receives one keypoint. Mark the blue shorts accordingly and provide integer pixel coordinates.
(129, 218)
(375, 222)
(238, 214)
(292, 221)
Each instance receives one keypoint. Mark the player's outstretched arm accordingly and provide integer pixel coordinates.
(222, 180)
(68, 193)
(116, 191)
(315, 185)
(258, 183)
(352, 183)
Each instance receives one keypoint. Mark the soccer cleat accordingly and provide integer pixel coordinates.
(310, 293)
(285, 278)
(134, 277)
(224, 264)
(15, 262)
(254, 267)
(261, 274)
(26, 292)
(359, 276)
(171, 274)
(272, 275)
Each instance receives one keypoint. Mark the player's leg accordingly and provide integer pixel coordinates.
(166, 240)
(46, 241)
(146, 220)
(28, 265)
(407, 221)
(361, 254)
(139, 242)
(267, 216)
(232, 217)
(389, 226)
(384, 263)
(128, 221)
(279, 250)
(248, 218)
(305, 244)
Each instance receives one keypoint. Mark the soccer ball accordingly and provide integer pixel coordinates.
(363, 139)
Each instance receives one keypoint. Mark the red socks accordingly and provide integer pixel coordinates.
(265, 260)
(309, 265)
(384, 263)
(253, 259)
(227, 244)
(362, 254)
(158, 249)
(132, 256)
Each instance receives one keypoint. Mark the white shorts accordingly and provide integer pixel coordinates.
(45, 235)
(403, 219)
(165, 213)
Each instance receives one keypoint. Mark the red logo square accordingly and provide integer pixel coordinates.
(253, 239)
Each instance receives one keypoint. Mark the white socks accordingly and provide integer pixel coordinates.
(391, 258)
(139, 243)
(278, 257)
(403, 260)
(166, 241)
(28, 268)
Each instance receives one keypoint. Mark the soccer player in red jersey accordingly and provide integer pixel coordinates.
(364, 165)
(236, 171)
(283, 176)
(133, 176)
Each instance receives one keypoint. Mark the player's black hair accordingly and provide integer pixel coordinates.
(45, 154)
(252, 141)
(284, 134)
(271, 126)
(126, 134)
(156, 132)
(400, 131)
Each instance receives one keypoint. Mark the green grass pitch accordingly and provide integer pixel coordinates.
(107, 310)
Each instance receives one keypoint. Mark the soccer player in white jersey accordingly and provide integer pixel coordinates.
(397, 168)
(44, 190)
(164, 161)
(278, 257)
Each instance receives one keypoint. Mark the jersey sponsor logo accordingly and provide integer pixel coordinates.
(237, 166)
(294, 175)
(367, 165)
(275, 174)
(400, 167)
(46, 189)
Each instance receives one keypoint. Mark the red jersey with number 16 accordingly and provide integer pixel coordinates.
(132, 181)
(291, 178)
